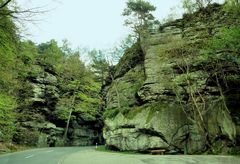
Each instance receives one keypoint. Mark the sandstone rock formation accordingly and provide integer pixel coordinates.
(148, 103)
(39, 123)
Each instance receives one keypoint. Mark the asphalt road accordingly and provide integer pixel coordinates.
(87, 155)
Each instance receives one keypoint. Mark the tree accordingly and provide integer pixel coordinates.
(67, 51)
(117, 52)
(139, 15)
(171, 16)
(16, 60)
(202, 3)
(79, 91)
(8, 52)
(19, 15)
(99, 65)
(193, 5)
(50, 54)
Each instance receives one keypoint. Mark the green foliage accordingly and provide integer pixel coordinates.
(62, 111)
(7, 117)
(232, 6)
(190, 6)
(27, 137)
(223, 47)
(87, 111)
(20, 66)
(82, 97)
(28, 52)
(50, 53)
(131, 57)
(139, 13)
(88, 103)
(8, 48)
(235, 151)
(27, 60)
(227, 39)
(100, 65)
(71, 67)
(80, 90)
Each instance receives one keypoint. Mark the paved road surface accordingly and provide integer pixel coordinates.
(87, 155)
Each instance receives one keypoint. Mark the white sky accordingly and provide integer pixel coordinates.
(85, 23)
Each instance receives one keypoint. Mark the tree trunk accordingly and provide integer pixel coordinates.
(69, 118)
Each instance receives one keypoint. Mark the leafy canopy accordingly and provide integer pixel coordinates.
(139, 14)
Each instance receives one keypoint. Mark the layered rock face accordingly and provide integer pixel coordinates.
(39, 101)
(149, 101)
(39, 123)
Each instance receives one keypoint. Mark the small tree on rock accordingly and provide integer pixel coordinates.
(139, 15)
(193, 5)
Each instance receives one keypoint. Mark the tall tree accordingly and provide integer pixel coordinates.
(99, 65)
(50, 53)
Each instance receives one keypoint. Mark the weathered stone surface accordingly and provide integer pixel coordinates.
(165, 95)
(148, 129)
(46, 78)
(124, 88)
(41, 127)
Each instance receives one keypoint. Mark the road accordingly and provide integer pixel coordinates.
(87, 155)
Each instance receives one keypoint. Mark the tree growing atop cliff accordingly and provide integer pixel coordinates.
(193, 5)
(139, 15)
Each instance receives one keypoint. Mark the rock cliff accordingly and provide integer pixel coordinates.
(150, 103)
(39, 118)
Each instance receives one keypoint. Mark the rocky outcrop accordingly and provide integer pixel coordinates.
(150, 128)
(150, 105)
(39, 121)
(38, 102)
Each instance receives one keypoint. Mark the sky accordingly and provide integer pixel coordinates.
(85, 23)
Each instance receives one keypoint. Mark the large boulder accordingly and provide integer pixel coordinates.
(156, 126)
